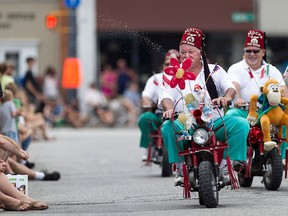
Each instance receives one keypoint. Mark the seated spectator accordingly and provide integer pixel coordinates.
(57, 113)
(18, 168)
(132, 95)
(51, 84)
(33, 120)
(108, 82)
(73, 116)
(8, 202)
(24, 133)
(9, 148)
(7, 74)
(10, 197)
(13, 88)
(54, 112)
(124, 111)
(3, 68)
(125, 75)
(8, 113)
(97, 103)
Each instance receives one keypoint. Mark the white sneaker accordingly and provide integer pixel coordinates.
(145, 154)
(179, 179)
(224, 175)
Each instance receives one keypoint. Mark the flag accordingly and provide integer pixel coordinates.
(215, 69)
(285, 74)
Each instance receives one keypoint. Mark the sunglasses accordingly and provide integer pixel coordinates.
(252, 51)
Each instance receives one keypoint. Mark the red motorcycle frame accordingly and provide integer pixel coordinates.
(201, 167)
(261, 163)
(157, 152)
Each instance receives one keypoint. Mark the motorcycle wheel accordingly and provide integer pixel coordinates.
(243, 181)
(166, 166)
(208, 189)
(273, 176)
(201, 201)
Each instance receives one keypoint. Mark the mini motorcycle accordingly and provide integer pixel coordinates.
(202, 156)
(262, 163)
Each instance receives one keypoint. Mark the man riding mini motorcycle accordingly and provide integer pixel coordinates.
(220, 90)
(150, 120)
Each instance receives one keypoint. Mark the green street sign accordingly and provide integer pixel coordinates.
(243, 17)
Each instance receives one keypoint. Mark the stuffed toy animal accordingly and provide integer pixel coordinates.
(196, 102)
(271, 111)
(186, 118)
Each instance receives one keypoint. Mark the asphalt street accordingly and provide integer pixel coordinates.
(102, 174)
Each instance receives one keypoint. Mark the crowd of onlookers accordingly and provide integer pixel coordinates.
(22, 120)
(112, 99)
(115, 99)
(30, 105)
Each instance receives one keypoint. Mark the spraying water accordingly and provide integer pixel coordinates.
(142, 38)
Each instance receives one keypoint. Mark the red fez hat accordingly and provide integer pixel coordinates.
(193, 37)
(255, 38)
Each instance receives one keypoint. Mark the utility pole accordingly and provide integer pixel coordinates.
(72, 49)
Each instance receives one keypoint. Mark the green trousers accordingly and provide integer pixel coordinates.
(244, 114)
(236, 129)
(148, 123)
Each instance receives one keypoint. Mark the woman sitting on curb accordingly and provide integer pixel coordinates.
(11, 199)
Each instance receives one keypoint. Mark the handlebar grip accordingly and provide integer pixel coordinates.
(175, 116)
(229, 103)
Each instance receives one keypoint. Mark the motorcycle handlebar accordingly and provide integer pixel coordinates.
(175, 116)
(215, 105)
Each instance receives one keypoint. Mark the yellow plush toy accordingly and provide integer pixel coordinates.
(270, 113)
(186, 118)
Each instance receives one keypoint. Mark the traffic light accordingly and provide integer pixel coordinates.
(51, 21)
(57, 20)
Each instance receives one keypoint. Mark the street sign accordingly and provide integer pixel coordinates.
(243, 17)
(72, 3)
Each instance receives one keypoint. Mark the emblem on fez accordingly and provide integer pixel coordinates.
(254, 41)
(190, 39)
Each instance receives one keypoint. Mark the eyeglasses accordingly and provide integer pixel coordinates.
(252, 51)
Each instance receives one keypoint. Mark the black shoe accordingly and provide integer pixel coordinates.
(238, 166)
(29, 164)
(54, 176)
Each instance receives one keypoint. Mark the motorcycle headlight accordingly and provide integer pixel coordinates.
(200, 136)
